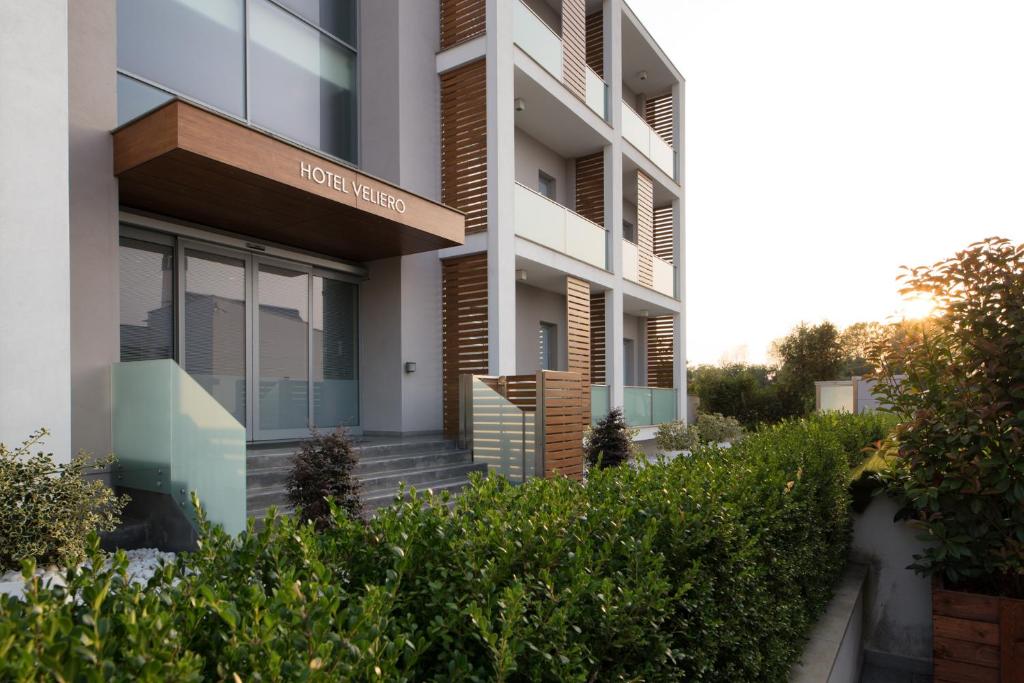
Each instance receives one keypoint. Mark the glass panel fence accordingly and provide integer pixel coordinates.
(637, 406)
(500, 433)
(663, 405)
(600, 401)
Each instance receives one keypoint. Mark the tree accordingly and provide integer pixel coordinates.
(748, 393)
(808, 354)
(608, 444)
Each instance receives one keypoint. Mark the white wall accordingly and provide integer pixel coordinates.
(534, 306)
(380, 347)
(546, 12)
(533, 157)
(636, 329)
(35, 349)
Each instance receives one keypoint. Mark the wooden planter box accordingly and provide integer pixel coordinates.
(977, 638)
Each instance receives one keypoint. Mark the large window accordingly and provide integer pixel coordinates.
(287, 66)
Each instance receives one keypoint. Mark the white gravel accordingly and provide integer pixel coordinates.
(142, 564)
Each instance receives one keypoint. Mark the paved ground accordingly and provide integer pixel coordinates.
(874, 673)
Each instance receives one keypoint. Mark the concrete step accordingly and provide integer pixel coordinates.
(379, 500)
(390, 481)
(270, 471)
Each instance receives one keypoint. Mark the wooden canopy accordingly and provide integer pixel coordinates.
(185, 162)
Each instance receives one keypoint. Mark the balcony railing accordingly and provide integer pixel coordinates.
(664, 272)
(546, 222)
(597, 94)
(600, 401)
(647, 141)
(645, 406)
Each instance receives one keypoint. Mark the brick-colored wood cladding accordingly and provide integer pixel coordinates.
(595, 42)
(464, 143)
(562, 422)
(574, 46)
(664, 244)
(660, 352)
(590, 187)
(462, 20)
(464, 329)
(597, 338)
(577, 300)
(977, 638)
(645, 227)
(659, 116)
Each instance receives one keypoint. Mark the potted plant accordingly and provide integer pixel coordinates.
(958, 387)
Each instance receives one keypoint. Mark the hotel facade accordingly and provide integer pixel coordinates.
(454, 227)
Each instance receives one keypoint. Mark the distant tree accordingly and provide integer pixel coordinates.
(808, 354)
(748, 393)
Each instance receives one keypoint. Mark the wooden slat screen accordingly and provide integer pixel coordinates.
(574, 47)
(597, 338)
(659, 116)
(520, 390)
(577, 301)
(462, 20)
(562, 424)
(645, 227)
(664, 244)
(660, 351)
(464, 328)
(590, 187)
(464, 143)
(595, 42)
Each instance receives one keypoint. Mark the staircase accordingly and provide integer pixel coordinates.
(429, 462)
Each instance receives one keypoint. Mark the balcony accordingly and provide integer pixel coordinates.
(636, 131)
(552, 225)
(533, 35)
(663, 271)
(643, 406)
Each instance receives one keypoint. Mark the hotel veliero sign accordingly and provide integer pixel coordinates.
(184, 162)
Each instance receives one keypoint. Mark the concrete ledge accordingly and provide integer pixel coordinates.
(833, 653)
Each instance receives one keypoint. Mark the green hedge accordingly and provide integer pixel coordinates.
(710, 568)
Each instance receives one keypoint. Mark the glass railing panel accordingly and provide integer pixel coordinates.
(662, 155)
(664, 276)
(539, 219)
(537, 39)
(585, 240)
(630, 261)
(142, 400)
(637, 406)
(597, 98)
(600, 402)
(636, 130)
(502, 433)
(663, 405)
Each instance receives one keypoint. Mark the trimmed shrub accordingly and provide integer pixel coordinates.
(710, 568)
(608, 444)
(710, 428)
(324, 468)
(47, 511)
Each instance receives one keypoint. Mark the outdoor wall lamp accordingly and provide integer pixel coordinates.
(410, 367)
(520, 104)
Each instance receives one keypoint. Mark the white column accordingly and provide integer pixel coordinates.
(679, 249)
(35, 356)
(613, 202)
(501, 174)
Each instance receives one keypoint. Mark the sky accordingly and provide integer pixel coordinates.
(829, 142)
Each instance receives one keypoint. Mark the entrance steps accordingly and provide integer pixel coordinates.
(423, 462)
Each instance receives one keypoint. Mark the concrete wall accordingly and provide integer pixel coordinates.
(897, 613)
(380, 347)
(549, 14)
(635, 328)
(532, 157)
(35, 349)
(95, 308)
(534, 306)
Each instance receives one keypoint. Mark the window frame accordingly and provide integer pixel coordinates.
(546, 178)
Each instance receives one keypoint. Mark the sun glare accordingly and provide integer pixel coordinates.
(916, 307)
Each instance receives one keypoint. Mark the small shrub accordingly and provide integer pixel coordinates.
(47, 511)
(608, 444)
(710, 428)
(324, 468)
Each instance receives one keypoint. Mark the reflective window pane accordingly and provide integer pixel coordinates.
(215, 327)
(134, 98)
(195, 47)
(335, 362)
(283, 348)
(302, 84)
(337, 17)
(147, 301)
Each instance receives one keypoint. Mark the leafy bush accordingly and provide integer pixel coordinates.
(747, 392)
(608, 444)
(710, 428)
(47, 511)
(960, 469)
(710, 568)
(324, 468)
(859, 435)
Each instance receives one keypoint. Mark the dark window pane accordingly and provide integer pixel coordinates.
(337, 17)
(283, 348)
(147, 301)
(335, 367)
(302, 84)
(195, 47)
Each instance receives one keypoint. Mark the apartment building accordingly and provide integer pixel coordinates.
(226, 222)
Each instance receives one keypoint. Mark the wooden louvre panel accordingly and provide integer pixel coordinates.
(660, 351)
(577, 301)
(462, 20)
(659, 116)
(664, 246)
(521, 391)
(563, 423)
(574, 47)
(597, 339)
(464, 329)
(590, 187)
(595, 42)
(645, 227)
(464, 143)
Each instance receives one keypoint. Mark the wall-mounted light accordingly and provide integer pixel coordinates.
(642, 75)
(520, 104)
(645, 313)
(410, 367)
(520, 275)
